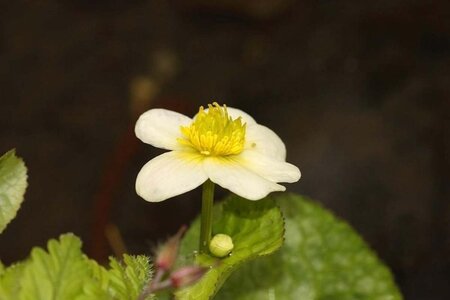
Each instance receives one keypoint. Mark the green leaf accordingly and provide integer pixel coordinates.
(256, 229)
(99, 287)
(65, 273)
(322, 258)
(13, 183)
(10, 280)
(127, 280)
(59, 273)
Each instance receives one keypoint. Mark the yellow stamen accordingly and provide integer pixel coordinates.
(214, 133)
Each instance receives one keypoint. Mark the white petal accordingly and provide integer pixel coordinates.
(269, 168)
(161, 128)
(170, 174)
(231, 175)
(263, 140)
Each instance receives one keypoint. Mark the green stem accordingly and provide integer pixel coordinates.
(206, 217)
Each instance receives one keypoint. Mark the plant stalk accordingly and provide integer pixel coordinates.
(206, 217)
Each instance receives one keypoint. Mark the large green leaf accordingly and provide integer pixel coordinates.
(322, 258)
(256, 229)
(13, 183)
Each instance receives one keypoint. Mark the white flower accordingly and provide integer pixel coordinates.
(221, 143)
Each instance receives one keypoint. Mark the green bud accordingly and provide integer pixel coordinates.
(221, 245)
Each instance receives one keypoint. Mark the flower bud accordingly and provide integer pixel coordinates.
(167, 254)
(221, 245)
(185, 276)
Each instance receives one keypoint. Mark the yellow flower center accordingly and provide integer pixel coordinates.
(214, 132)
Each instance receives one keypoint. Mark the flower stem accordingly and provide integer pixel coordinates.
(206, 217)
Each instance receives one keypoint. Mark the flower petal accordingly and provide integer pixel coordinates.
(231, 175)
(269, 168)
(170, 174)
(161, 128)
(263, 140)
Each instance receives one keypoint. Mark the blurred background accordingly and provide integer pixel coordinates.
(358, 90)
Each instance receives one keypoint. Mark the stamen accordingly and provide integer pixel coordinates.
(214, 132)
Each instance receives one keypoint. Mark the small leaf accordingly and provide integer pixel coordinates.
(127, 280)
(10, 280)
(322, 258)
(65, 273)
(99, 287)
(13, 183)
(256, 229)
(59, 273)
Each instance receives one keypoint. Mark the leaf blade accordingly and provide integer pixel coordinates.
(13, 183)
(63, 272)
(256, 228)
(59, 273)
(323, 258)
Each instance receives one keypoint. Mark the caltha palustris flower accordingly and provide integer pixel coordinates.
(222, 144)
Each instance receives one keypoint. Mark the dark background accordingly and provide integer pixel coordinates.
(358, 90)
